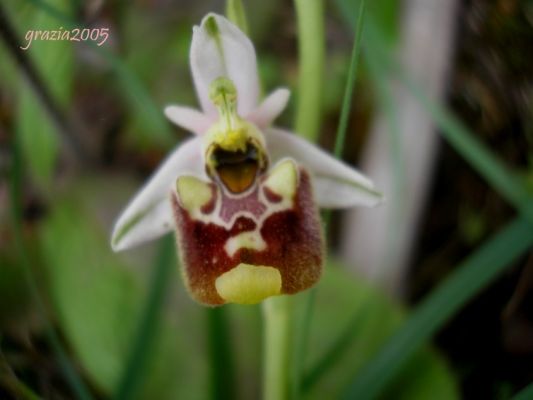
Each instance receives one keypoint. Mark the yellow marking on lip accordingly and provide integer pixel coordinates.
(249, 240)
(283, 179)
(193, 193)
(248, 284)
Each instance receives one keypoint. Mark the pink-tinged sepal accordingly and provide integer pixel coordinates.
(336, 184)
(243, 248)
(149, 215)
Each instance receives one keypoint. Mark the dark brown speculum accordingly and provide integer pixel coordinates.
(237, 170)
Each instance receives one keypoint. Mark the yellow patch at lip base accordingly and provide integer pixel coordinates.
(283, 179)
(248, 284)
(193, 193)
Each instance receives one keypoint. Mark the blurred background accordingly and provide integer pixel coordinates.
(441, 120)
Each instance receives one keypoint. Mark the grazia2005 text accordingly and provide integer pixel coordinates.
(98, 35)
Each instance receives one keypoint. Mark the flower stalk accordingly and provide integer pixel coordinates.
(277, 336)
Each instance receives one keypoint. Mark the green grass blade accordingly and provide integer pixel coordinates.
(330, 357)
(135, 366)
(350, 84)
(310, 16)
(221, 366)
(486, 163)
(525, 394)
(476, 272)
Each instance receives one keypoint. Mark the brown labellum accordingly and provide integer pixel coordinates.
(262, 242)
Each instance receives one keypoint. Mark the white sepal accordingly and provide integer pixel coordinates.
(220, 49)
(336, 184)
(270, 108)
(149, 215)
(188, 118)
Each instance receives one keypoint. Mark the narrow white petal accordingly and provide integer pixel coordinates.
(149, 215)
(336, 184)
(218, 49)
(188, 118)
(333, 193)
(270, 108)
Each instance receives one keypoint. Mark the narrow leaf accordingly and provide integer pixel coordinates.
(336, 350)
(525, 394)
(350, 84)
(475, 273)
(53, 61)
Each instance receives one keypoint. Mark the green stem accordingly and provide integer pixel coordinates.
(302, 330)
(310, 14)
(222, 365)
(277, 314)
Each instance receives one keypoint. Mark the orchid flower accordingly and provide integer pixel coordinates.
(242, 196)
